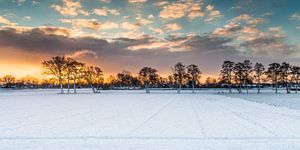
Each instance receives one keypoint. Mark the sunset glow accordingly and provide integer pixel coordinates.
(121, 35)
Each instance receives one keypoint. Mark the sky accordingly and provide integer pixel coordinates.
(121, 35)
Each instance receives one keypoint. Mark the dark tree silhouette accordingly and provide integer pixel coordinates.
(285, 69)
(98, 78)
(148, 76)
(295, 72)
(77, 73)
(55, 67)
(259, 71)
(8, 81)
(247, 70)
(194, 73)
(273, 74)
(124, 79)
(238, 75)
(226, 73)
(89, 76)
(69, 69)
(179, 75)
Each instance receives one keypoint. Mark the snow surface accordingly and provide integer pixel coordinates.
(132, 120)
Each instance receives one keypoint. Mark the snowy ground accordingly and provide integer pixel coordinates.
(121, 120)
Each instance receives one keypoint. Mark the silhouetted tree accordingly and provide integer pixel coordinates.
(247, 69)
(124, 78)
(194, 73)
(259, 71)
(8, 81)
(98, 78)
(55, 67)
(273, 74)
(179, 75)
(226, 73)
(295, 72)
(77, 73)
(238, 75)
(284, 75)
(69, 68)
(89, 75)
(148, 77)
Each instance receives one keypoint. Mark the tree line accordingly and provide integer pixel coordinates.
(69, 74)
(241, 75)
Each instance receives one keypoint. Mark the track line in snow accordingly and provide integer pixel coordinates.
(151, 117)
(147, 138)
(197, 117)
(242, 117)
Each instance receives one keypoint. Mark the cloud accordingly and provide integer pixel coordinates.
(6, 21)
(190, 8)
(140, 20)
(127, 52)
(211, 14)
(70, 8)
(105, 1)
(105, 11)
(249, 39)
(157, 30)
(130, 26)
(173, 27)
(137, 1)
(267, 14)
(92, 24)
(27, 18)
(295, 16)
(19, 2)
(81, 53)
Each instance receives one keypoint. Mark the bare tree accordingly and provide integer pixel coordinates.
(247, 69)
(179, 75)
(69, 69)
(295, 72)
(124, 79)
(77, 73)
(226, 73)
(55, 67)
(238, 75)
(8, 80)
(148, 76)
(273, 73)
(194, 73)
(89, 75)
(284, 75)
(98, 78)
(259, 71)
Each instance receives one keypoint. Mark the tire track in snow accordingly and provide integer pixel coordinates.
(151, 117)
(242, 117)
(197, 117)
(292, 116)
(119, 113)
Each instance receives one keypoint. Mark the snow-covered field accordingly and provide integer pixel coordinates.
(132, 120)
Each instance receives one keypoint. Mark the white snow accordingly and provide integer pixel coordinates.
(132, 120)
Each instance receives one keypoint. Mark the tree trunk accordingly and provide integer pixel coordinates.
(230, 88)
(74, 86)
(276, 88)
(93, 88)
(297, 86)
(147, 88)
(258, 88)
(178, 88)
(247, 88)
(68, 84)
(61, 86)
(193, 86)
